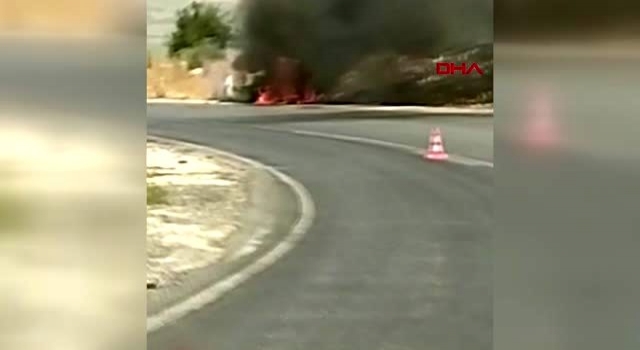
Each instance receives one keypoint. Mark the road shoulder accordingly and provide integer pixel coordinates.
(278, 215)
(471, 110)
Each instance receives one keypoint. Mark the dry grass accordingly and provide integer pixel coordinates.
(168, 79)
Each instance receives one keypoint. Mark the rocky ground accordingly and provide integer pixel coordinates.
(195, 203)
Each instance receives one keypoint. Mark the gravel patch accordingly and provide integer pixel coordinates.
(205, 197)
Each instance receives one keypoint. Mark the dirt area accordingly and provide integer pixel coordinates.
(172, 79)
(195, 203)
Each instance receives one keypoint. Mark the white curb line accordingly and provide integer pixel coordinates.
(418, 109)
(217, 290)
(171, 101)
(414, 109)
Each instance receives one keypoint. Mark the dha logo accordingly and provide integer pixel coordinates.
(450, 68)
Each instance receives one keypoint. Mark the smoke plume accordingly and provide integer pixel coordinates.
(330, 36)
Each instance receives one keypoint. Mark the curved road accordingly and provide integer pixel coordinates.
(398, 256)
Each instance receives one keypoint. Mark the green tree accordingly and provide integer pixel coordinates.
(201, 31)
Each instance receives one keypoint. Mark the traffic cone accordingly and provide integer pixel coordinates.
(541, 132)
(435, 149)
(541, 129)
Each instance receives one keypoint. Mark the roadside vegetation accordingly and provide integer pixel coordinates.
(11, 214)
(202, 32)
(14, 208)
(156, 195)
(201, 37)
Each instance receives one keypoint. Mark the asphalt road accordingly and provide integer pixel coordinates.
(467, 136)
(399, 255)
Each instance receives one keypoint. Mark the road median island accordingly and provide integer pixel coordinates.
(209, 216)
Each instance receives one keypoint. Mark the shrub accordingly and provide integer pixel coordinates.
(196, 56)
(200, 31)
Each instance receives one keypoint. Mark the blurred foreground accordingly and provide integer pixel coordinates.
(566, 196)
(72, 17)
(72, 207)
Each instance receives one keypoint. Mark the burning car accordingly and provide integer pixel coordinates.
(286, 81)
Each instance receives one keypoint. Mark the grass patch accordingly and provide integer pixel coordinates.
(156, 195)
(13, 213)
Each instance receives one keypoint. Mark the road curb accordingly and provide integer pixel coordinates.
(477, 111)
(172, 101)
(218, 289)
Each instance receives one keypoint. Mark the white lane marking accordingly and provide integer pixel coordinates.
(453, 158)
(215, 291)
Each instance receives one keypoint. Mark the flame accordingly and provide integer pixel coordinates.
(284, 86)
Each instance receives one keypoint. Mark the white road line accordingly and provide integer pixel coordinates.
(453, 158)
(215, 291)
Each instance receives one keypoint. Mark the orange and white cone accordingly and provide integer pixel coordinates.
(541, 129)
(435, 149)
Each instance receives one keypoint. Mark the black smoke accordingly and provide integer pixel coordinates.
(330, 36)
